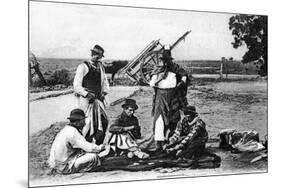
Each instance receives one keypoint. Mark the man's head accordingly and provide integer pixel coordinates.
(166, 55)
(77, 118)
(97, 53)
(189, 111)
(129, 107)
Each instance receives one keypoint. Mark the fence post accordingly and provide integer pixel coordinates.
(226, 67)
(222, 62)
(221, 70)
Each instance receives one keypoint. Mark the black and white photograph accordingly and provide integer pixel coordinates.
(127, 93)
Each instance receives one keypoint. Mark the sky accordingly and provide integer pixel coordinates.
(59, 30)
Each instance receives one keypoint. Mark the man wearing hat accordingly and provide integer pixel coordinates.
(190, 136)
(90, 87)
(70, 152)
(125, 132)
(170, 85)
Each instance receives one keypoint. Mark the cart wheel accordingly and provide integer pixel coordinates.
(147, 66)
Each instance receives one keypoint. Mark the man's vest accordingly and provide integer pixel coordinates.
(92, 80)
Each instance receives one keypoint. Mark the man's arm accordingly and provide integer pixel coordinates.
(81, 71)
(176, 135)
(153, 80)
(136, 129)
(181, 72)
(190, 136)
(116, 126)
(78, 141)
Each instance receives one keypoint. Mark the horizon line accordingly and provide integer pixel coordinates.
(118, 59)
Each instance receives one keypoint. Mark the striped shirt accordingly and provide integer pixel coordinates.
(186, 132)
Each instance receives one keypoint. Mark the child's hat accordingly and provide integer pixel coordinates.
(130, 102)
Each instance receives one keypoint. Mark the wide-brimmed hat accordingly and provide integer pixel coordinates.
(97, 49)
(188, 109)
(130, 102)
(76, 114)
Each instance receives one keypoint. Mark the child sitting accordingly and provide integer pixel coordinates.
(125, 131)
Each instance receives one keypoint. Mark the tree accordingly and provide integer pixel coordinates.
(252, 31)
(34, 64)
(60, 77)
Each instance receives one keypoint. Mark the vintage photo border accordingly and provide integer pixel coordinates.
(138, 7)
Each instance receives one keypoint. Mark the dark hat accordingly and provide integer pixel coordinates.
(189, 109)
(130, 102)
(98, 50)
(77, 114)
(166, 54)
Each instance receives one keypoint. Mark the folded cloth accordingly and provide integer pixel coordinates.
(242, 141)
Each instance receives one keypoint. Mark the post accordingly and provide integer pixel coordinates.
(222, 62)
(221, 70)
(226, 69)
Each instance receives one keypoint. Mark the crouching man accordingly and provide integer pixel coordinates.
(70, 152)
(190, 136)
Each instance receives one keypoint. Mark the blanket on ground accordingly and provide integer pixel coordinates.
(207, 160)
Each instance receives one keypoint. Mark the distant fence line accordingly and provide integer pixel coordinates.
(223, 67)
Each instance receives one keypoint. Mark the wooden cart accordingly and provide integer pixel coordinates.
(141, 67)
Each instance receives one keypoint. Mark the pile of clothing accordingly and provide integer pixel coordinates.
(241, 141)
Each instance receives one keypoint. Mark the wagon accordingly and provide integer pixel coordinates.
(141, 67)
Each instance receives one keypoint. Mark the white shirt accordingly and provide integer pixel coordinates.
(66, 140)
(81, 71)
(169, 82)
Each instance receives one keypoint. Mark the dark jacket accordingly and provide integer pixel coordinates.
(125, 121)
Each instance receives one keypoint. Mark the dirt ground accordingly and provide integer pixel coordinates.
(241, 105)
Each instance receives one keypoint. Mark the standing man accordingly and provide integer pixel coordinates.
(170, 85)
(70, 152)
(91, 86)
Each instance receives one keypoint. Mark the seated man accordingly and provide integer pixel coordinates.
(70, 152)
(190, 136)
(125, 132)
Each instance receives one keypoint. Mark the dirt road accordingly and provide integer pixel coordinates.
(44, 112)
(241, 105)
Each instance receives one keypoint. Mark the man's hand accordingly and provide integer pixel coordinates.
(172, 141)
(91, 97)
(102, 147)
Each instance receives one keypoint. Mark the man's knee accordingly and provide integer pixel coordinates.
(91, 157)
(85, 159)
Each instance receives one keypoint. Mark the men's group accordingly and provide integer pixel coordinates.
(178, 130)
